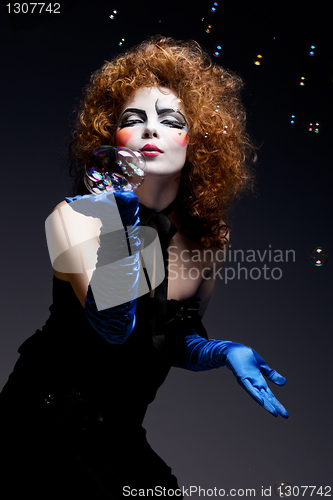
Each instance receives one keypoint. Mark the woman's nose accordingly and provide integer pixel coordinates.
(149, 131)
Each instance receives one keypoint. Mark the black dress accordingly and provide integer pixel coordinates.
(71, 412)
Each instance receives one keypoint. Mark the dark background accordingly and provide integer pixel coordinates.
(204, 425)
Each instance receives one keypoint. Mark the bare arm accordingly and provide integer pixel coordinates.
(73, 241)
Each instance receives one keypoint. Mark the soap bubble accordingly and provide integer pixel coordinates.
(176, 104)
(113, 15)
(282, 489)
(209, 27)
(121, 42)
(217, 51)
(302, 81)
(312, 50)
(314, 127)
(258, 60)
(112, 169)
(292, 120)
(319, 256)
(214, 7)
(48, 399)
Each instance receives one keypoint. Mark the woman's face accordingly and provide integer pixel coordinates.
(154, 123)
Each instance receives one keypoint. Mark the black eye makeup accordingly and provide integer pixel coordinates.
(168, 117)
(172, 118)
(132, 116)
(173, 123)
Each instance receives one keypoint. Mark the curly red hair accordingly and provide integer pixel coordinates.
(216, 169)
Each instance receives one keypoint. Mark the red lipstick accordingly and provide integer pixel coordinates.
(151, 150)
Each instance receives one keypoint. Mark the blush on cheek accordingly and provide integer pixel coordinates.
(122, 137)
(181, 138)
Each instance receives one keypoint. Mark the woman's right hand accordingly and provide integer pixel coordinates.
(111, 298)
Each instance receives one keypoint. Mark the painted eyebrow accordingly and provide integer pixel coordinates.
(168, 110)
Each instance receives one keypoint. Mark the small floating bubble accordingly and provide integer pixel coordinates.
(319, 256)
(217, 51)
(113, 15)
(314, 127)
(292, 120)
(282, 489)
(302, 81)
(176, 104)
(214, 7)
(48, 399)
(258, 60)
(121, 42)
(312, 50)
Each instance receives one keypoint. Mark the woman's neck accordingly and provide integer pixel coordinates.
(157, 193)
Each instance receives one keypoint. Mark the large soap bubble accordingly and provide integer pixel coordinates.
(112, 169)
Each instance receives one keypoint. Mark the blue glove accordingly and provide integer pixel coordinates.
(247, 366)
(111, 299)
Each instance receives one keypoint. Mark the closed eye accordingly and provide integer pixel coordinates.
(173, 124)
(130, 123)
(132, 116)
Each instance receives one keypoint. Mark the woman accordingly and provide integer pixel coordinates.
(78, 394)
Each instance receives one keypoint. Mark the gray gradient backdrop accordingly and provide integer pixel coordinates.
(204, 425)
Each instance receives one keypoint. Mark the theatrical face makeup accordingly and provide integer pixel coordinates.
(152, 121)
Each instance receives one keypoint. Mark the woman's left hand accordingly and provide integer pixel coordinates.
(249, 369)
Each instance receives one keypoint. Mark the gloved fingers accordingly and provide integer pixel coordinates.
(271, 374)
(270, 400)
(128, 206)
(114, 209)
(251, 390)
(259, 396)
(269, 396)
(277, 378)
(100, 206)
(265, 398)
(124, 198)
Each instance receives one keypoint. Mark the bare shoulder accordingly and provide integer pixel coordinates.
(66, 230)
(73, 241)
(75, 222)
(61, 204)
